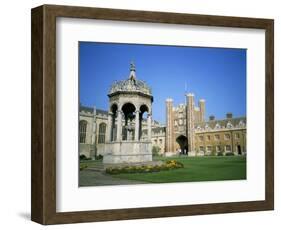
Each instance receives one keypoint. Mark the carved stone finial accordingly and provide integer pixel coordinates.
(132, 66)
(132, 71)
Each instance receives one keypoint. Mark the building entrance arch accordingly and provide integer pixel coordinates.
(182, 141)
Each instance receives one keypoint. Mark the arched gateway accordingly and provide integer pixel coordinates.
(182, 141)
(128, 101)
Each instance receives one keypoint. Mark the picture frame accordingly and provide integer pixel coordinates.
(43, 160)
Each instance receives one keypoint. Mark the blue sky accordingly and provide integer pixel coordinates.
(217, 75)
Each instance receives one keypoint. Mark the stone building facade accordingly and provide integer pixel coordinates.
(123, 134)
(93, 126)
(128, 121)
(187, 131)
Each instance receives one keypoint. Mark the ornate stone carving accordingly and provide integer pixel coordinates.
(133, 98)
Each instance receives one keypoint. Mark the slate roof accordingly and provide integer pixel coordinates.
(158, 129)
(215, 124)
(85, 108)
(103, 112)
(91, 110)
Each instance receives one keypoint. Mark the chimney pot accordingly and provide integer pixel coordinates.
(229, 115)
(212, 118)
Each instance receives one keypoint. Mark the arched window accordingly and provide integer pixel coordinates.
(82, 131)
(102, 129)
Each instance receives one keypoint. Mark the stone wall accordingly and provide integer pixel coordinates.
(127, 152)
(223, 141)
(86, 149)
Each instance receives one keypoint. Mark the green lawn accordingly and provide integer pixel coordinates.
(196, 169)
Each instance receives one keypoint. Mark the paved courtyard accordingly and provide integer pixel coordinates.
(96, 178)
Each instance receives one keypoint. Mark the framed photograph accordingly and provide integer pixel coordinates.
(140, 114)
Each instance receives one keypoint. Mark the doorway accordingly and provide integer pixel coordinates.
(182, 141)
(239, 150)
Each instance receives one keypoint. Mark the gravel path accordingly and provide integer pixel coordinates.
(96, 178)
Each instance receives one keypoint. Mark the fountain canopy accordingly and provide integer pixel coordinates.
(130, 108)
(130, 85)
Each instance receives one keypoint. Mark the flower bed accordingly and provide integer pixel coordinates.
(168, 165)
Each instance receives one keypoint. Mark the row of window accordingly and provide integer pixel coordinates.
(83, 132)
(102, 132)
(227, 148)
(217, 137)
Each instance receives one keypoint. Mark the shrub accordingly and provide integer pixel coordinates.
(83, 157)
(99, 157)
(229, 154)
(213, 153)
(174, 164)
(155, 150)
(220, 154)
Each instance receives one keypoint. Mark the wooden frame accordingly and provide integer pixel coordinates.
(43, 207)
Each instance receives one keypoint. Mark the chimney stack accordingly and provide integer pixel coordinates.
(212, 118)
(229, 115)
